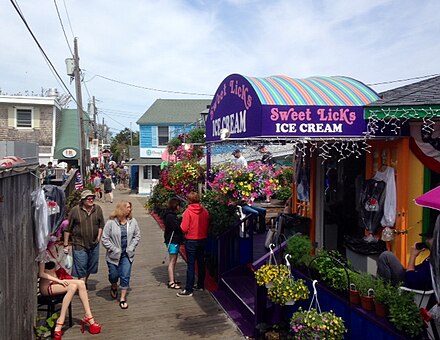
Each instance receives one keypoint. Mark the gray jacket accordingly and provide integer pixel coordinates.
(111, 240)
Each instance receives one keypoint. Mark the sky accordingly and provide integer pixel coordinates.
(136, 51)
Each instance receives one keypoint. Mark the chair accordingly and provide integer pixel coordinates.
(48, 304)
(421, 297)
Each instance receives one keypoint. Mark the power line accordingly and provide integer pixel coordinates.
(68, 18)
(149, 88)
(62, 26)
(402, 80)
(51, 66)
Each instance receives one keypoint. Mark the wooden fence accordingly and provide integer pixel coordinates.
(18, 270)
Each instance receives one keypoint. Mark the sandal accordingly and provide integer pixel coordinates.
(114, 292)
(123, 304)
(173, 285)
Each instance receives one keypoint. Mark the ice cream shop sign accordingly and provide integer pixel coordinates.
(279, 106)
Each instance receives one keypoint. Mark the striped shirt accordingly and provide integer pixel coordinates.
(84, 227)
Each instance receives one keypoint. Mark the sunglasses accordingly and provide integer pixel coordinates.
(90, 198)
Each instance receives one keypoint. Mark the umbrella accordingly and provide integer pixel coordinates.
(167, 157)
(431, 199)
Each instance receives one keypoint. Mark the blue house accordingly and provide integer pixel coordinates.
(164, 120)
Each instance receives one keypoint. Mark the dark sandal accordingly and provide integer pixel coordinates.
(114, 293)
(173, 285)
(122, 303)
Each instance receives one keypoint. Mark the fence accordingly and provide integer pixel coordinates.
(17, 252)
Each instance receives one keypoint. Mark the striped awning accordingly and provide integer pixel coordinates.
(324, 91)
(282, 107)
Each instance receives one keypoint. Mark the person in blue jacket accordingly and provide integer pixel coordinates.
(414, 276)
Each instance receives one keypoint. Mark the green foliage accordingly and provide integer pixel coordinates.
(121, 141)
(221, 215)
(299, 248)
(159, 197)
(44, 326)
(73, 200)
(285, 178)
(404, 313)
(364, 282)
(383, 291)
(332, 267)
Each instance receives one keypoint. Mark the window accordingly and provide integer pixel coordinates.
(163, 135)
(151, 172)
(24, 118)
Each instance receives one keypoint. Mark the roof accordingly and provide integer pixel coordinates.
(174, 111)
(68, 133)
(325, 91)
(425, 92)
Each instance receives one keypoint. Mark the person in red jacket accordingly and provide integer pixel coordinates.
(194, 225)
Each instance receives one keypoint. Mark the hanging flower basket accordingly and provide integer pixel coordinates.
(268, 272)
(288, 290)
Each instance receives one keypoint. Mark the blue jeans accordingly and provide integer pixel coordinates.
(122, 272)
(195, 251)
(85, 262)
(258, 214)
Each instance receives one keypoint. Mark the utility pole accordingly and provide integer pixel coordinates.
(95, 111)
(80, 110)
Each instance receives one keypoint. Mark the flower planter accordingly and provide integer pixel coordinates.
(380, 309)
(354, 296)
(290, 303)
(367, 302)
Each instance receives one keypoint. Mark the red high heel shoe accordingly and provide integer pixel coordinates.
(94, 328)
(58, 335)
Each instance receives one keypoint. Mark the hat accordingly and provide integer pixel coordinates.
(260, 147)
(236, 151)
(86, 193)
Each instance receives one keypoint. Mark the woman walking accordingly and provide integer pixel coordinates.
(120, 237)
(173, 237)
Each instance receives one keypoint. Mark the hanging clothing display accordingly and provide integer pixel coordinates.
(302, 180)
(389, 209)
(372, 204)
(41, 220)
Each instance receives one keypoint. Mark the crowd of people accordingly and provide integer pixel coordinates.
(86, 228)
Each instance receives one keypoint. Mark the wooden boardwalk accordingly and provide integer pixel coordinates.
(155, 312)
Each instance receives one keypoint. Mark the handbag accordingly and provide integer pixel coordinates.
(269, 237)
(113, 186)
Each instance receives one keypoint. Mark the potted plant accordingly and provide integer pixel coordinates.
(404, 313)
(267, 273)
(353, 291)
(383, 292)
(299, 248)
(316, 325)
(365, 285)
(287, 290)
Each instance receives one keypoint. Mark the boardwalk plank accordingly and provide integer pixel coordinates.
(155, 312)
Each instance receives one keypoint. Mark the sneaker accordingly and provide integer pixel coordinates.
(199, 289)
(184, 293)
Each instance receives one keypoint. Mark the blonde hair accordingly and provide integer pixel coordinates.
(119, 211)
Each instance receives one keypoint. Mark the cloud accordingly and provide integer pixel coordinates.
(192, 45)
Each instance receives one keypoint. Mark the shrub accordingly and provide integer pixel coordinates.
(299, 248)
(404, 313)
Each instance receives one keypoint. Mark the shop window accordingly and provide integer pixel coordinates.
(23, 118)
(151, 172)
(163, 135)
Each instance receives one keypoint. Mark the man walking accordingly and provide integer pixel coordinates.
(194, 225)
(86, 222)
